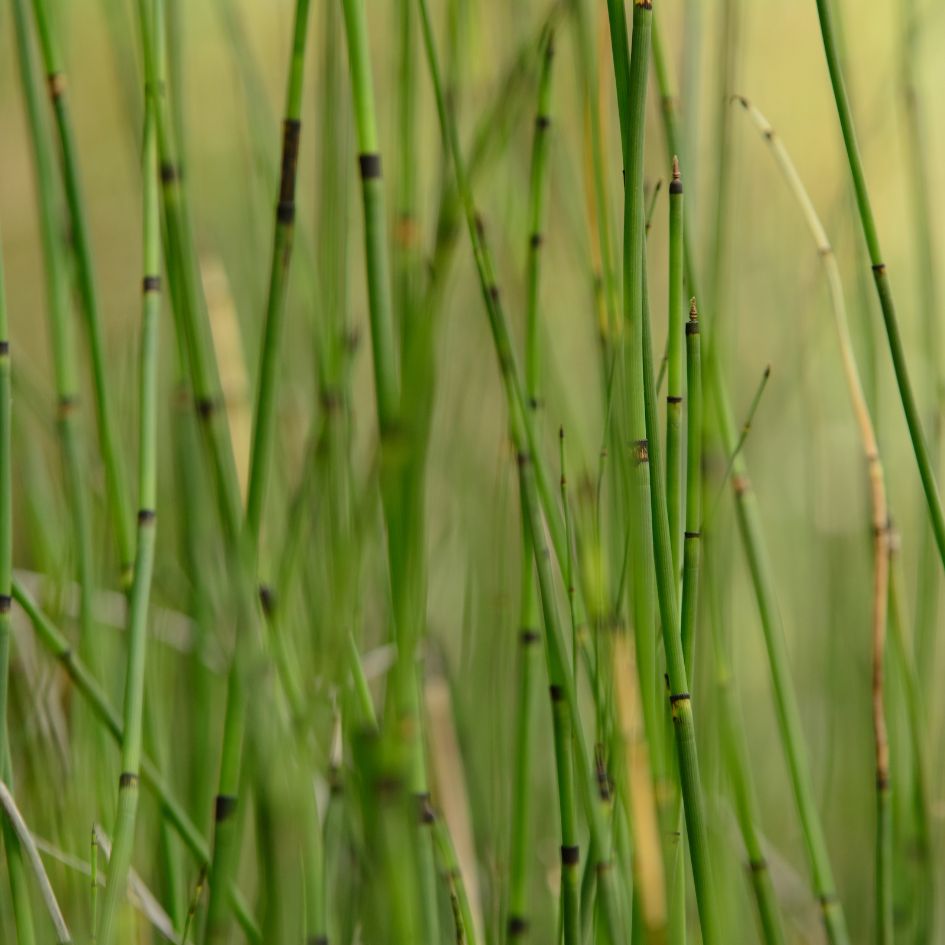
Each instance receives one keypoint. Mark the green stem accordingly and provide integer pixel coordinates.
(123, 834)
(263, 420)
(880, 277)
(81, 241)
(529, 636)
(788, 714)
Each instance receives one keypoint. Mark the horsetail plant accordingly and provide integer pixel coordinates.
(125, 818)
(12, 845)
(523, 440)
(881, 278)
(749, 524)
(263, 421)
(880, 521)
(529, 635)
(674, 359)
(88, 293)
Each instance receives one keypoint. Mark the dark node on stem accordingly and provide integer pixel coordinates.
(677, 697)
(879, 269)
(6, 602)
(480, 226)
(534, 403)
(65, 656)
(224, 807)
(291, 130)
(67, 405)
(127, 779)
(542, 122)
(827, 900)
(4, 348)
(522, 458)
(425, 811)
(318, 940)
(758, 866)
(603, 866)
(330, 399)
(56, 82)
(146, 516)
(641, 451)
(675, 185)
(388, 786)
(517, 926)
(603, 781)
(370, 165)
(570, 856)
(494, 293)
(692, 535)
(267, 599)
(535, 240)
(285, 212)
(557, 693)
(673, 399)
(151, 284)
(168, 172)
(882, 780)
(528, 636)
(206, 406)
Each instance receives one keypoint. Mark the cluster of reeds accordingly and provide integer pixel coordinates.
(318, 724)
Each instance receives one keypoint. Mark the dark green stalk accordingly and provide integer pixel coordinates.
(386, 380)
(556, 650)
(789, 722)
(529, 634)
(630, 76)
(123, 834)
(107, 429)
(692, 543)
(264, 417)
(91, 692)
(674, 359)
(880, 277)
(680, 698)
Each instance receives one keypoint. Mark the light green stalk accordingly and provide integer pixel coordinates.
(92, 693)
(529, 635)
(531, 489)
(264, 417)
(881, 278)
(674, 359)
(124, 831)
(788, 714)
(880, 522)
(19, 895)
(104, 403)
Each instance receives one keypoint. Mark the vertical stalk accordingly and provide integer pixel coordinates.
(16, 872)
(880, 521)
(529, 637)
(789, 722)
(680, 698)
(263, 420)
(530, 488)
(81, 240)
(123, 834)
(881, 278)
(674, 384)
(692, 542)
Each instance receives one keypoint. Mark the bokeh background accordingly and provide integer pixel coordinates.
(770, 307)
